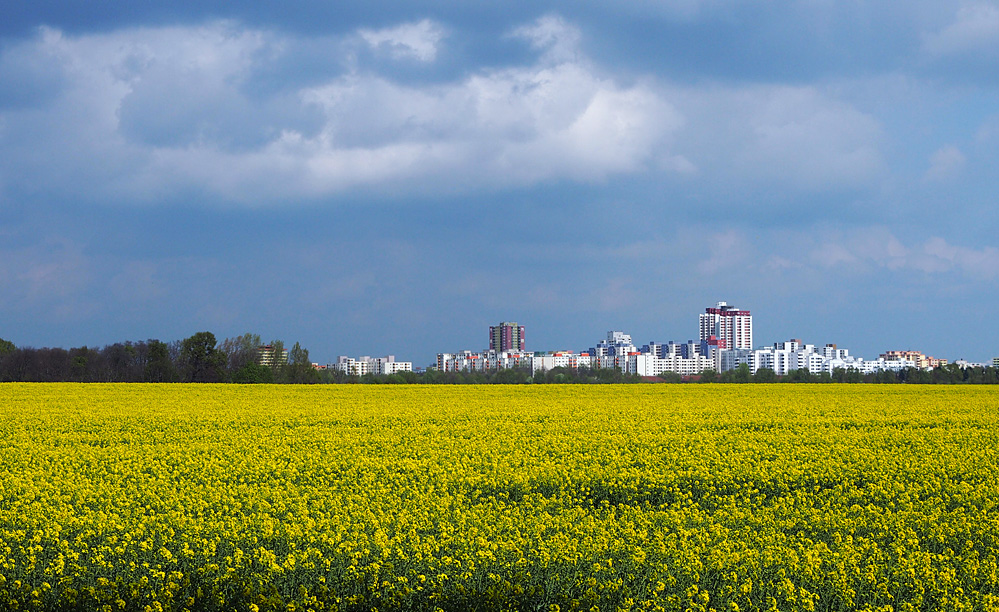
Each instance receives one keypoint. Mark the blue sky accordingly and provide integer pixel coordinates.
(368, 179)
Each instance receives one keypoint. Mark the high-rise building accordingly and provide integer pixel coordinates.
(268, 355)
(507, 336)
(617, 343)
(733, 328)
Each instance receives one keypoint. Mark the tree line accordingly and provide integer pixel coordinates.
(201, 358)
(949, 374)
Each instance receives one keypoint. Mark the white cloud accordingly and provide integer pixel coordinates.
(975, 29)
(551, 34)
(937, 255)
(801, 136)
(156, 114)
(848, 254)
(945, 164)
(776, 262)
(874, 248)
(862, 248)
(557, 118)
(419, 40)
(723, 248)
(678, 164)
(153, 113)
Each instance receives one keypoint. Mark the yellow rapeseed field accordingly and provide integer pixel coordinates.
(641, 497)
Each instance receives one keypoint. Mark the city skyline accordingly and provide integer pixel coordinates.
(374, 178)
(725, 343)
(722, 327)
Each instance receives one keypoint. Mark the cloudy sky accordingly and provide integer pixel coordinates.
(368, 179)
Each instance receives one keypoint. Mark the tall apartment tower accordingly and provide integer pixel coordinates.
(732, 327)
(268, 355)
(507, 336)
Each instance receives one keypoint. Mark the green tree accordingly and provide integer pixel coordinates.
(120, 364)
(512, 376)
(408, 377)
(799, 375)
(370, 379)
(947, 374)
(83, 359)
(299, 369)
(159, 366)
(7, 354)
(709, 376)
(740, 374)
(240, 352)
(432, 376)
(974, 375)
(885, 377)
(200, 360)
(279, 361)
(671, 377)
(853, 375)
(608, 375)
(764, 375)
(253, 373)
(559, 375)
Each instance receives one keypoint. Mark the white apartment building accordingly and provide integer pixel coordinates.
(560, 359)
(351, 366)
(616, 352)
(617, 343)
(732, 359)
(367, 365)
(388, 365)
(785, 357)
(645, 364)
(467, 361)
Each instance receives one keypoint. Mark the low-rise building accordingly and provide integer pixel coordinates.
(964, 364)
(617, 351)
(367, 365)
(923, 362)
(785, 357)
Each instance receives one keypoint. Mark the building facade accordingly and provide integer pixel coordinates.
(785, 357)
(732, 327)
(268, 355)
(367, 365)
(922, 361)
(507, 336)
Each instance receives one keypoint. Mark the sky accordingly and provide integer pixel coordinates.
(373, 178)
